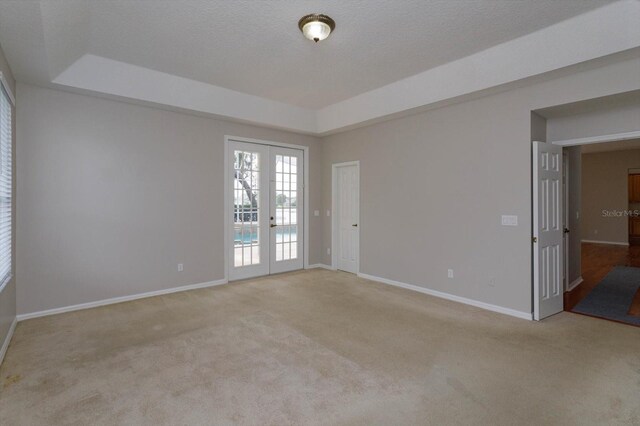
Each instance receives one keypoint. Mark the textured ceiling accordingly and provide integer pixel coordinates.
(255, 47)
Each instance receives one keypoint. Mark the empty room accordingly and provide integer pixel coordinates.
(202, 219)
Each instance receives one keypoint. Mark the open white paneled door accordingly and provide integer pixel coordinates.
(547, 230)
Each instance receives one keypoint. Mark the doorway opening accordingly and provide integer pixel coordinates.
(609, 254)
(265, 208)
(601, 229)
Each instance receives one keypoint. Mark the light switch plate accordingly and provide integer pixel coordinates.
(509, 220)
(316, 213)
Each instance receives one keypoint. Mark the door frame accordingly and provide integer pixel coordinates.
(334, 211)
(565, 219)
(613, 137)
(227, 200)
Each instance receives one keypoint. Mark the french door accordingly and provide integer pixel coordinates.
(266, 219)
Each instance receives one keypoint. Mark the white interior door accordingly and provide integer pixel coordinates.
(547, 230)
(287, 206)
(266, 209)
(347, 187)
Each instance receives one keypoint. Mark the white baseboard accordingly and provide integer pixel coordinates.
(614, 243)
(7, 340)
(575, 283)
(459, 299)
(320, 265)
(121, 299)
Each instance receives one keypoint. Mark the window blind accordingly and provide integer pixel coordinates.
(6, 183)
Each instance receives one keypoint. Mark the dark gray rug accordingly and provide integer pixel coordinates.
(612, 297)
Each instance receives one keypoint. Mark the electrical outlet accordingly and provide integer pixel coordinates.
(180, 267)
(492, 282)
(329, 251)
(328, 213)
(450, 273)
(595, 231)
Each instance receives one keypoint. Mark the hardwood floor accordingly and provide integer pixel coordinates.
(635, 305)
(597, 261)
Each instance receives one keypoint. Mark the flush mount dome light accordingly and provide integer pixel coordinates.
(316, 27)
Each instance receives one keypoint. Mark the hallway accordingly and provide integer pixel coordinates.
(597, 262)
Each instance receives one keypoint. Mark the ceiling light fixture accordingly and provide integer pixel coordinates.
(316, 27)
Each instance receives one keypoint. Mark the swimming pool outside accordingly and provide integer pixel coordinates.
(283, 234)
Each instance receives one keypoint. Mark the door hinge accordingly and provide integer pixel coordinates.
(534, 239)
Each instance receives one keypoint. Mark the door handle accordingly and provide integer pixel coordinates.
(355, 224)
(273, 226)
(566, 230)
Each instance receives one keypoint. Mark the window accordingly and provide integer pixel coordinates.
(6, 187)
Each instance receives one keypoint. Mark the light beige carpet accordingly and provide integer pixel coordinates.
(317, 348)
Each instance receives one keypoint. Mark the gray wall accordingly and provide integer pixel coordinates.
(575, 214)
(112, 196)
(433, 187)
(621, 117)
(8, 293)
(538, 128)
(605, 187)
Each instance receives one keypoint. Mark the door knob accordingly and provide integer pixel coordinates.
(566, 230)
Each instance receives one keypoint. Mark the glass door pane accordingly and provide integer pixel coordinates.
(246, 206)
(286, 197)
(249, 210)
(286, 209)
